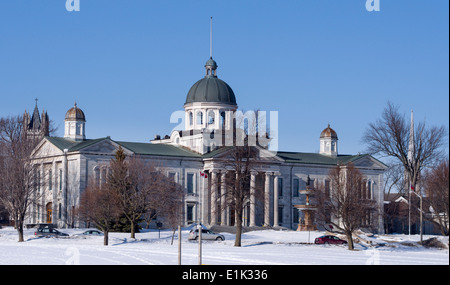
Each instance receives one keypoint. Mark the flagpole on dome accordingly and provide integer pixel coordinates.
(210, 38)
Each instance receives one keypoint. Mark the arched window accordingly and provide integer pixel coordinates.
(199, 118)
(191, 119)
(222, 120)
(103, 175)
(211, 117)
(97, 176)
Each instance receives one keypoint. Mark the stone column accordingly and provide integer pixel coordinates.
(55, 177)
(64, 189)
(275, 198)
(267, 199)
(214, 182)
(223, 199)
(42, 192)
(252, 198)
(204, 212)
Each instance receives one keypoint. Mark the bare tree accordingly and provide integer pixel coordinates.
(165, 199)
(241, 163)
(249, 136)
(394, 179)
(99, 206)
(345, 206)
(123, 180)
(390, 135)
(141, 189)
(437, 190)
(18, 181)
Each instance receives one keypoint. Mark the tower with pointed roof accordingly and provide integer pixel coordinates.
(36, 125)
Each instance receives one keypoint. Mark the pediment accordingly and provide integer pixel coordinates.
(369, 162)
(105, 147)
(45, 149)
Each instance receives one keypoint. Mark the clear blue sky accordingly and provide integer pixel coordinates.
(129, 64)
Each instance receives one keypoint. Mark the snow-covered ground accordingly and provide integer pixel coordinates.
(268, 247)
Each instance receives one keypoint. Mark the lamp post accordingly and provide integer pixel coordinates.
(199, 227)
(179, 244)
(421, 215)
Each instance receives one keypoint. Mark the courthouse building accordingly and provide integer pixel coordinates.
(196, 162)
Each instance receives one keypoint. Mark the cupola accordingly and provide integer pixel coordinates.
(328, 142)
(74, 124)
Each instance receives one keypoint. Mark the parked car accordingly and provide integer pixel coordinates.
(49, 232)
(206, 235)
(329, 240)
(90, 233)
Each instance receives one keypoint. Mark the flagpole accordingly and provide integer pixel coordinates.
(210, 39)
(411, 150)
(409, 211)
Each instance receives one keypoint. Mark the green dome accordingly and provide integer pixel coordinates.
(210, 88)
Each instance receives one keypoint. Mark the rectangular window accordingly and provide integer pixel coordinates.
(327, 188)
(295, 215)
(60, 179)
(280, 215)
(190, 183)
(190, 213)
(38, 178)
(280, 187)
(172, 176)
(50, 180)
(295, 187)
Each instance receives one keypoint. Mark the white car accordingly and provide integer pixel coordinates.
(206, 235)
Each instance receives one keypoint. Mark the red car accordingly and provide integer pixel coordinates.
(329, 240)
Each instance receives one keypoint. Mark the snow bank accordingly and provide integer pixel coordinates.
(267, 247)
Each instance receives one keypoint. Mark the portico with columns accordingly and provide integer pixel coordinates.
(261, 205)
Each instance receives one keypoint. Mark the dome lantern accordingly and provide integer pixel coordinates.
(211, 67)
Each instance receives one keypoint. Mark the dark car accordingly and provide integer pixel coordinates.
(89, 233)
(49, 232)
(329, 240)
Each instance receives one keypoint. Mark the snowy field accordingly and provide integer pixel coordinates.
(268, 247)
